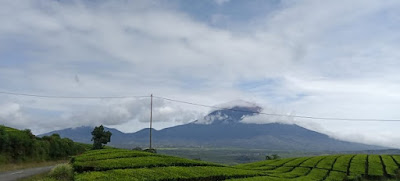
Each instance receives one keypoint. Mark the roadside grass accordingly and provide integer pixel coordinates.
(19, 166)
(39, 177)
(62, 172)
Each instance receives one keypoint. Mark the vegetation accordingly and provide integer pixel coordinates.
(25, 165)
(62, 172)
(375, 168)
(22, 146)
(229, 156)
(118, 164)
(272, 157)
(343, 163)
(100, 137)
(390, 165)
(358, 165)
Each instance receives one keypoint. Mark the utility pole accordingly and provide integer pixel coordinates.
(151, 115)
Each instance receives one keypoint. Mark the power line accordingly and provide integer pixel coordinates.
(201, 105)
(273, 114)
(70, 97)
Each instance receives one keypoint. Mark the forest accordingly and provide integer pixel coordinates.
(23, 146)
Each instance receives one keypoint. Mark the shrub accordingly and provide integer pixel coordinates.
(150, 150)
(62, 172)
(137, 149)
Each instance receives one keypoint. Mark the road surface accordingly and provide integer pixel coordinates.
(18, 174)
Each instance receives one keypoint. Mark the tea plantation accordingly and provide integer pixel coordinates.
(119, 164)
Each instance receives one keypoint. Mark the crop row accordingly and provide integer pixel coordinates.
(358, 165)
(301, 174)
(169, 173)
(397, 159)
(104, 151)
(328, 162)
(265, 164)
(335, 176)
(296, 172)
(114, 155)
(375, 168)
(296, 162)
(280, 170)
(111, 164)
(335, 167)
(313, 161)
(390, 165)
(343, 163)
(136, 162)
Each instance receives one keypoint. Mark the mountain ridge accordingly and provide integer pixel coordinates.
(224, 128)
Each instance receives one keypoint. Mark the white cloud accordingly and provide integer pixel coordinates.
(221, 2)
(11, 114)
(330, 59)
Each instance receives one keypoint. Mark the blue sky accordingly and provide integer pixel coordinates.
(319, 58)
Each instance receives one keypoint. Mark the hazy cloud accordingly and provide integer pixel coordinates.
(328, 59)
(220, 2)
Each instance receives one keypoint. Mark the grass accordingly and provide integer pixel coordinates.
(62, 172)
(19, 166)
(39, 177)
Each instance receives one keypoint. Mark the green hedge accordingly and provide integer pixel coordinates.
(136, 162)
(357, 165)
(375, 168)
(168, 173)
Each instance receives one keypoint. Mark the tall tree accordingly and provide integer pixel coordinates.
(100, 137)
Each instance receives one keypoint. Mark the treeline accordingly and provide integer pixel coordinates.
(21, 146)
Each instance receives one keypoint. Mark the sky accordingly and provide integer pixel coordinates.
(333, 58)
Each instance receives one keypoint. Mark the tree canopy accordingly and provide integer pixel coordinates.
(100, 137)
(21, 145)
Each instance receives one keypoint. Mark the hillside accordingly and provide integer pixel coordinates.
(22, 146)
(119, 164)
(224, 128)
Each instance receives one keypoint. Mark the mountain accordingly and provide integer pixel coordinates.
(223, 128)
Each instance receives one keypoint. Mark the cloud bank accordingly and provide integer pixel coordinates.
(328, 59)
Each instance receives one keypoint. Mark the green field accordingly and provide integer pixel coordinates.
(119, 164)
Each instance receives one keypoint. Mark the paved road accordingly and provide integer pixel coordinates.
(18, 174)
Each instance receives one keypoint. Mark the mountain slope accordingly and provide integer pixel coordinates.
(223, 128)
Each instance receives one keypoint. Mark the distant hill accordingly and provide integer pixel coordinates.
(223, 128)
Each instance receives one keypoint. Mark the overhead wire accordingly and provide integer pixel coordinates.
(70, 97)
(274, 114)
(201, 105)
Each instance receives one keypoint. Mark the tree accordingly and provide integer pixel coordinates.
(272, 157)
(4, 140)
(100, 137)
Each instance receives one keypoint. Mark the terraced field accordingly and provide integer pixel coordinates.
(118, 164)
